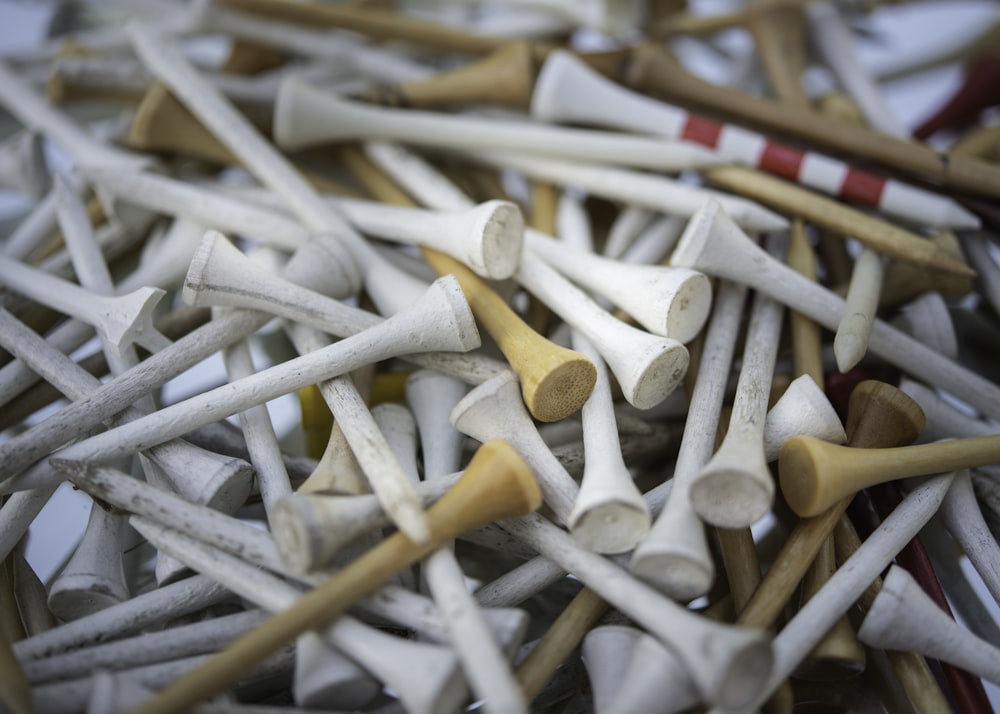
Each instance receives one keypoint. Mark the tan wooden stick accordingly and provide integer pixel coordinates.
(815, 475)
(829, 213)
(562, 637)
(879, 415)
(778, 30)
(555, 381)
(840, 645)
(911, 668)
(505, 76)
(807, 353)
(376, 24)
(497, 484)
(15, 692)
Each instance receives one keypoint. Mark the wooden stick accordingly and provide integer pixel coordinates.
(920, 684)
(377, 24)
(851, 341)
(654, 191)
(815, 475)
(965, 687)
(730, 677)
(803, 631)
(827, 213)
(367, 442)
(735, 488)
(833, 39)
(778, 30)
(306, 116)
(879, 416)
(496, 485)
(144, 610)
(563, 636)
(718, 256)
(566, 90)
(652, 70)
(903, 617)
(183, 640)
(555, 382)
(15, 691)
(675, 555)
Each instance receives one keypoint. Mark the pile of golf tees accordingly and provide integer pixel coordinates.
(536, 356)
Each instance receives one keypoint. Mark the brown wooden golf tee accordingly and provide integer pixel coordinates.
(879, 415)
(505, 76)
(497, 484)
(814, 475)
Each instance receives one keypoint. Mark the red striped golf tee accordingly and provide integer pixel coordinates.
(814, 170)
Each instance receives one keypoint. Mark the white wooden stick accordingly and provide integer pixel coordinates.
(311, 529)
(220, 275)
(305, 116)
(634, 187)
(158, 505)
(927, 319)
(202, 476)
(833, 40)
(675, 556)
(495, 410)
(314, 264)
(654, 244)
(128, 617)
(73, 696)
(627, 226)
(964, 520)
(22, 164)
(444, 327)
(38, 223)
(325, 678)
(647, 367)
(944, 419)
(486, 665)
(608, 497)
(630, 671)
(802, 409)
(798, 637)
(34, 112)
(728, 664)
(340, 47)
(735, 488)
(383, 471)
(171, 643)
(263, 160)
(732, 255)
(851, 340)
(94, 577)
(664, 301)
(486, 237)
(425, 676)
(120, 320)
(903, 617)
(258, 431)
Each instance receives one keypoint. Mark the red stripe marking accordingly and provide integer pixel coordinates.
(781, 160)
(862, 187)
(701, 131)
